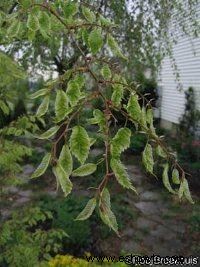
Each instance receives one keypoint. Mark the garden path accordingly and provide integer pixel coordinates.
(161, 225)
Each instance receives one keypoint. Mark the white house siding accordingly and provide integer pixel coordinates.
(186, 53)
(187, 57)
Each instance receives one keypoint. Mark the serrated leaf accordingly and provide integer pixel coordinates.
(98, 118)
(117, 94)
(73, 92)
(165, 179)
(80, 143)
(121, 174)
(186, 191)
(180, 191)
(149, 116)
(42, 167)
(175, 176)
(39, 93)
(95, 41)
(49, 133)
(147, 158)
(108, 217)
(85, 36)
(43, 106)
(114, 47)
(63, 179)
(4, 107)
(70, 9)
(105, 198)
(65, 160)
(106, 72)
(33, 22)
(105, 211)
(14, 28)
(61, 105)
(80, 80)
(133, 107)
(104, 21)
(120, 142)
(87, 211)
(88, 14)
(92, 141)
(160, 152)
(85, 170)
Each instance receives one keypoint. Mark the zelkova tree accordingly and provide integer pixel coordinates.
(146, 31)
(92, 77)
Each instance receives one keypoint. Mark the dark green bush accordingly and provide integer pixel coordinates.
(64, 212)
(28, 239)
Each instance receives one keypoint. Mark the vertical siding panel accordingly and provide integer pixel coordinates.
(187, 56)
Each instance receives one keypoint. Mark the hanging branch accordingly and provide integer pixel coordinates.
(71, 93)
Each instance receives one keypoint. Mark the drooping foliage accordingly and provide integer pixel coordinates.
(48, 24)
(144, 31)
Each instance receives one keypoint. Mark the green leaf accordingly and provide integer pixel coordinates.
(67, 75)
(160, 152)
(61, 105)
(63, 179)
(88, 14)
(149, 116)
(175, 176)
(121, 174)
(85, 36)
(87, 211)
(114, 47)
(99, 119)
(186, 191)
(70, 9)
(43, 107)
(147, 158)
(49, 133)
(39, 93)
(31, 35)
(104, 21)
(44, 21)
(79, 80)
(108, 217)
(85, 170)
(120, 142)
(105, 198)
(165, 179)
(4, 107)
(80, 143)
(65, 160)
(133, 108)
(95, 41)
(33, 22)
(14, 28)
(117, 94)
(42, 167)
(181, 190)
(105, 211)
(92, 141)
(73, 92)
(106, 72)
